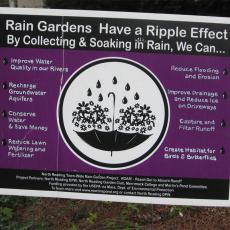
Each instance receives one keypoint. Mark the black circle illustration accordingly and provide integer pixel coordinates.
(113, 113)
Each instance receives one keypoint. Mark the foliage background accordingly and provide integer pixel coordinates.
(194, 7)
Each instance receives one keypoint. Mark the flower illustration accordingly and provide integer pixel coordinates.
(124, 122)
(83, 107)
(120, 127)
(83, 127)
(91, 120)
(74, 113)
(130, 110)
(142, 130)
(97, 108)
(112, 119)
(136, 121)
(96, 120)
(84, 120)
(117, 120)
(109, 119)
(102, 119)
(153, 117)
(150, 128)
(144, 110)
(138, 117)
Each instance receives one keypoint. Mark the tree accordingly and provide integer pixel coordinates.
(196, 7)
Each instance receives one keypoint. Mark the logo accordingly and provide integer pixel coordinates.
(113, 113)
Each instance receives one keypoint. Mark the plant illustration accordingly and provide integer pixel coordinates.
(90, 115)
(104, 129)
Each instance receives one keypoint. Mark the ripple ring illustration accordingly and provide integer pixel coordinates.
(113, 113)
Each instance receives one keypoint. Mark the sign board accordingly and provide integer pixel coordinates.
(115, 106)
